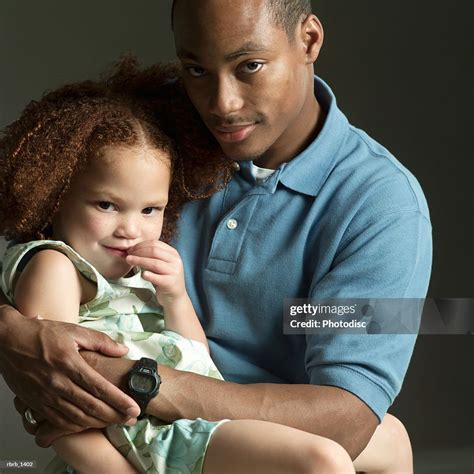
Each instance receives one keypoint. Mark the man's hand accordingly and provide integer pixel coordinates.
(114, 369)
(44, 432)
(41, 364)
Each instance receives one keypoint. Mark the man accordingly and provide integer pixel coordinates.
(316, 209)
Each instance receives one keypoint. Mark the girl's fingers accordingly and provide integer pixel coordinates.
(151, 264)
(158, 244)
(154, 252)
(154, 279)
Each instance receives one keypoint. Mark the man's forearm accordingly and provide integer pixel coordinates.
(3, 299)
(323, 410)
(6, 313)
(327, 411)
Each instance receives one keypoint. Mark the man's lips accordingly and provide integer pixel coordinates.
(118, 251)
(234, 133)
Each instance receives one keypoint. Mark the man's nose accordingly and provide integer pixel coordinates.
(127, 227)
(226, 97)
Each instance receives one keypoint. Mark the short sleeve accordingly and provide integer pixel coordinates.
(386, 257)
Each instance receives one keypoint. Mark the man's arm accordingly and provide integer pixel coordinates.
(323, 410)
(326, 411)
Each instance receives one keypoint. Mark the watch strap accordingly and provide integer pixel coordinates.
(142, 401)
(146, 362)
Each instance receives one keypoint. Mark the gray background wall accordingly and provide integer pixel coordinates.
(401, 70)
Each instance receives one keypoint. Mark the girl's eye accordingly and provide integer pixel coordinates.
(252, 67)
(106, 206)
(196, 71)
(151, 210)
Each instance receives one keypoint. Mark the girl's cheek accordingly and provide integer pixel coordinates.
(97, 224)
(153, 231)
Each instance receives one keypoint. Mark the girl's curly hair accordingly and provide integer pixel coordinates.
(56, 136)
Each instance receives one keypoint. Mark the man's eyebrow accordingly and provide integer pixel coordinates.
(185, 54)
(246, 48)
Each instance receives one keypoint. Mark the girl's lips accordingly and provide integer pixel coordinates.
(117, 252)
(234, 134)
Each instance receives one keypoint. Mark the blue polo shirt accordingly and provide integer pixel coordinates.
(342, 219)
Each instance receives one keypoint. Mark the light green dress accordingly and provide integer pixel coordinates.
(127, 311)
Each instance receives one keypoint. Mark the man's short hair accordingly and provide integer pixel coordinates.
(285, 13)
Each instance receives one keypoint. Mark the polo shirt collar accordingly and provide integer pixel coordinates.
(307, 172)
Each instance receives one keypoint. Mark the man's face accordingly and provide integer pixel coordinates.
(248, 81)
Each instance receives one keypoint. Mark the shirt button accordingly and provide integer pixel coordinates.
(231, 224)
(236, 166)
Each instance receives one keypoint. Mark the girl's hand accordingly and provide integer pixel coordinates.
(162, 267)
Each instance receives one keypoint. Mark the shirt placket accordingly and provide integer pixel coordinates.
(231, 231)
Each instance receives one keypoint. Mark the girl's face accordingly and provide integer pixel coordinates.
(115, 203)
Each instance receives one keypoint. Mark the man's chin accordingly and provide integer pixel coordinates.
(241, 152)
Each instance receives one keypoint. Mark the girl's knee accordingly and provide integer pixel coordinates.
(398, 437)
(396, 431)
(325, 456)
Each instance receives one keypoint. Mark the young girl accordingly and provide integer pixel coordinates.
(85, 177)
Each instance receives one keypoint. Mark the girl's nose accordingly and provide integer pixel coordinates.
(127, 228)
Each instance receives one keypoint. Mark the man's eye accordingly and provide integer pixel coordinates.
(251, 67)
(106, 206)
(196, 71)
(151, 210)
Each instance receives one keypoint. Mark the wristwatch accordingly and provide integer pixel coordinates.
(143, 382)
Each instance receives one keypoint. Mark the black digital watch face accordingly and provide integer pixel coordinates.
(142, 383)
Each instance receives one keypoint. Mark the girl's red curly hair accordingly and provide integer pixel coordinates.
(57, 135)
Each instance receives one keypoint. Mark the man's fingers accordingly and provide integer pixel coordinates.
(22, 407)
(73, 403)
(98, 342)
(61, 421)
(53, 417)
(29, 428)
(84, 416)
(107, 395)
(63, 379)
(47, 434)
(19, 405)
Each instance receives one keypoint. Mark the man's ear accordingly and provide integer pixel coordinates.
(311, 34)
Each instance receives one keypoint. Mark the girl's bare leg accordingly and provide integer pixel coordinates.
(389, 450)
(261, 447)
